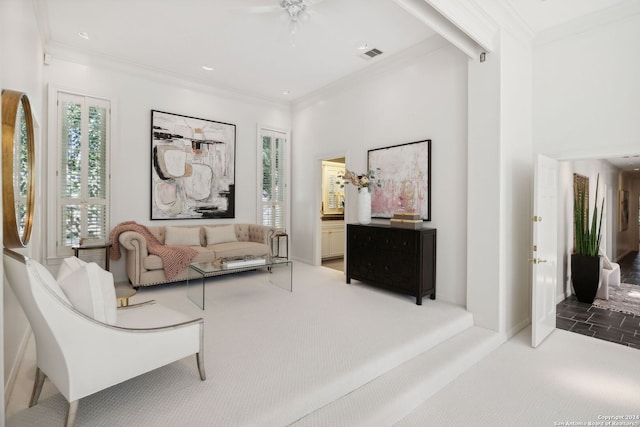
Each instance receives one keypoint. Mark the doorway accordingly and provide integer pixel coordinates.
(610, 317)
(332, 213)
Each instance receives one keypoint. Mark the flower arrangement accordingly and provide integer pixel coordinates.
(367, 180)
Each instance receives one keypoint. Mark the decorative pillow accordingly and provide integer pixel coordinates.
(222, 234)
(184, 236)
(46, 277)
(68, 266)
(91, 291)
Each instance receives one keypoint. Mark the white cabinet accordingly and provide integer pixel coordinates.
(332, 239)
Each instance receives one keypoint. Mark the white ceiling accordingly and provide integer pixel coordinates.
(252, 52)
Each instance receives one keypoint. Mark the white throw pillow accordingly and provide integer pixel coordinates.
(221, 234)
(68, 266)
(91, 291)
(183, 236)
(45, 276)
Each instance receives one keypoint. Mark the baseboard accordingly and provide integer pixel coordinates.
(15, 366)
(619, 257)
(515, 330)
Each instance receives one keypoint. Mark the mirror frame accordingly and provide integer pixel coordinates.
(11, 101)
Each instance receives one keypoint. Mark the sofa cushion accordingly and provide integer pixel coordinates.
(154, 262)
(184, 236)
(234, 249)
(91, 291)
(221, 234)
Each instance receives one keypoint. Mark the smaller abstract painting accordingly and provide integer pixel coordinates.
(404, 172)
(193, 167)
(623, 210)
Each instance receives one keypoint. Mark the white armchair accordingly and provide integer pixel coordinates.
(610, 276)
(81, 355)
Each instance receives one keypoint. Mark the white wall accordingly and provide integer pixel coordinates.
(586, 91)
(21, 65)
(420, 95)
(134, 93)
(585, 106)
(500, 172)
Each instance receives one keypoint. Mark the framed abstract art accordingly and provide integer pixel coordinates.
(193, 167)
(404, 172)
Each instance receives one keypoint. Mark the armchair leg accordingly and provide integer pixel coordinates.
(200, 360)
(71, 413)
(37, 387)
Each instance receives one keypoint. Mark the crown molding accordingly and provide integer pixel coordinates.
(66, 53)
(471, 19)
(42, 18)
(455, 31)
(583, 24)
(426, 47)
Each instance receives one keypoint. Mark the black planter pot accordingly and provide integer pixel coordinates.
(585, 276)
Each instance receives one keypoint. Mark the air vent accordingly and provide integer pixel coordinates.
(372, 53)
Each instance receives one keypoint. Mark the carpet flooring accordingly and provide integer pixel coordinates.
(271, 356)
(569, 379)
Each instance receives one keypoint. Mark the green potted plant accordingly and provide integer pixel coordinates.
(586, 265)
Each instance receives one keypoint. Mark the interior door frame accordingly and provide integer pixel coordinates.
(317, 205)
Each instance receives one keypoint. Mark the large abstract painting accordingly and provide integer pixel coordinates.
(193, 167)
(404, 172)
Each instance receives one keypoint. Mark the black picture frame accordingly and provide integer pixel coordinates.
(404, 171)
(192, 167)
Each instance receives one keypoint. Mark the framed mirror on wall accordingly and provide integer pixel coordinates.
(18, 165)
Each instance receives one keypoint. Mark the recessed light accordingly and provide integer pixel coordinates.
(286, 92)
(84, 35)
(363, 46)
(207, 68)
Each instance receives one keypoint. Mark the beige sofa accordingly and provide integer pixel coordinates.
(145, 269)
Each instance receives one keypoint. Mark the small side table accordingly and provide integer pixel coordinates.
(105, 246)
(124, 291)
(275, 245)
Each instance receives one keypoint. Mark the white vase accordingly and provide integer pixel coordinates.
(364, 206)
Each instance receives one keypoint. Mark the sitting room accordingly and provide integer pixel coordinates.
(169, 156)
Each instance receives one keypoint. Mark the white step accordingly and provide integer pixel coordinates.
(390, 397)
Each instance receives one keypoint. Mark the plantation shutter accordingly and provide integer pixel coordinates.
(273, 191)
(83, 177)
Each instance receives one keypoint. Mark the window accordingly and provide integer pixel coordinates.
(83, 170)
(273, 172)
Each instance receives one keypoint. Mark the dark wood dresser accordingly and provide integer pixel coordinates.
(398, 259)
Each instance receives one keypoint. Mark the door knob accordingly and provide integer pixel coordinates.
(537, 260)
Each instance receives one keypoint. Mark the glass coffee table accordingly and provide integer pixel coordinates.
(278, 270)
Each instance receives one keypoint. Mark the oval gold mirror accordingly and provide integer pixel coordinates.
(18, 163)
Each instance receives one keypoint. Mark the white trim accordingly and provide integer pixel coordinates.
(470, 18)
(583, 24)
(317, 204)
(442, 25)
(10, 381)
(53, 160)
(429, 46)
(61, 52)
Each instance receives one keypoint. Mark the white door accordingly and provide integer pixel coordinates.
(544, 250)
